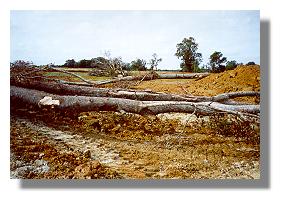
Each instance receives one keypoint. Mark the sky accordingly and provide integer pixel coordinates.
(54, 36)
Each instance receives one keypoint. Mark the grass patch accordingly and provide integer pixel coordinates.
(67, 77)
(76, 69)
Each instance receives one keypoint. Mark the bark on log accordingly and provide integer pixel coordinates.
(64, 89)
(86, 103)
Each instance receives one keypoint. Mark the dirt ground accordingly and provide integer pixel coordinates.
(90, 145)
(243, 78)
(43, 149)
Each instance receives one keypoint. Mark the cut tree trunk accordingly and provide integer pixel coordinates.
(64, 89)
(87, 103)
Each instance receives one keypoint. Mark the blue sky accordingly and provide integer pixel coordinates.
(55, 36)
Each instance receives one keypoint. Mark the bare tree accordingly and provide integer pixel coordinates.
(154, 62)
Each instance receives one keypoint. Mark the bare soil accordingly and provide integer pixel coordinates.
(91, 145)
(243, 78)
(78, 148)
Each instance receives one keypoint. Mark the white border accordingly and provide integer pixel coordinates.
(271, 10)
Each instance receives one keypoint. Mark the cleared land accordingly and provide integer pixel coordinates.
(49, 144)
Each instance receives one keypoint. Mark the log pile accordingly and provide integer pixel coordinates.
(83, 98)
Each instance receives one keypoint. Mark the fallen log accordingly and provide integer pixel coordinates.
(87, 103)
(64, 89)
(86, 82)
(183, 76)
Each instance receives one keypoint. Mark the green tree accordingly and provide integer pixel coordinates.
(217, 62)
(138, 64)
(154, 62)
(250, 63)
(231, 65)
(187, 51)
(98, 62)
(126, 66)
(84, 63)
(70, 63)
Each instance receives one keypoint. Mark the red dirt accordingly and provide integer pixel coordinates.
(243, 78)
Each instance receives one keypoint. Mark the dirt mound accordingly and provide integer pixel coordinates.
(243, 78)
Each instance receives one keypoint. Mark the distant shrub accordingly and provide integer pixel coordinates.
(201, 69)
(138, 65)
(250, 63)
(231, 65)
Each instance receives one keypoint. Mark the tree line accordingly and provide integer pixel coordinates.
(98, 62)
(186, 51)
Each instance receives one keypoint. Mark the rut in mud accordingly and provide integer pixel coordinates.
(68, 153)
